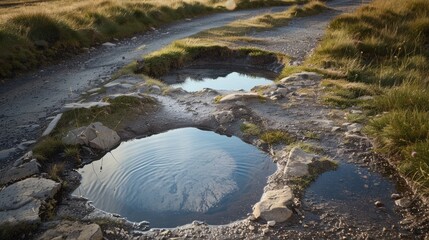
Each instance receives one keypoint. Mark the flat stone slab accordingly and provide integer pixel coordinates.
(273, 205)
(297, 163)
(87, 105)
(240, 96)
(73, 231)
(302, 76)
(95, 135)
(52, 125)
(20, 172)
(20, 202)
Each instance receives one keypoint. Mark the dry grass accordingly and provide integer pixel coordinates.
(39, 32)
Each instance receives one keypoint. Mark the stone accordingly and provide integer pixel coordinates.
(335, 129)
(403, 202)
(239, 96)
(94, 135)
(17, 173)
(224, 117)
(312, 76)
(273, 205)
(108, 44)
(52, 125)
(20, 202)
(395, 196)
(282, 91)
(73, 231)
(271, 223)
(354, 128)
(155, 89)
(379, 204)
(297, 163)
(87, 105)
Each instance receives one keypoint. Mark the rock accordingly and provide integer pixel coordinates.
(95, 135)
(312, 76)
(73, 230)
(335, 129)
(395, 196)
(16, 173)
(403, 202)
(24, 145)
(108, 44)
(70, 106)
(271, 223)
(52, 125)
(273, 205)
(354, 128)
(223, 117)
(297, 163)
(379, 204)
(282, 91)
(94, 90)
(20, 202)
(239, 96)
(26, 158)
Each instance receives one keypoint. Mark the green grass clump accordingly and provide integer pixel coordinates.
(47, 148)
(250, 129)
(272, 137)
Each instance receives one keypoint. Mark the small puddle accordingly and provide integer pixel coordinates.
(218, 78)
(354, 190)
(175, 177)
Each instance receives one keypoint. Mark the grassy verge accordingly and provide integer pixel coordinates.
(218, 43)
(381, 52)
(111, 116)
(38, 33)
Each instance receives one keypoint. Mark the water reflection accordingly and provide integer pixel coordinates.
(196, 79)
(178, 176)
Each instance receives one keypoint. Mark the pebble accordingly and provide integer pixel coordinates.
(271, 223)
(395, 196)
(403, 202)
(379, 204)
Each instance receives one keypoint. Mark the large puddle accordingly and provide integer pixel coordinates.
(354, 190)
(173, 178)
(218, 78)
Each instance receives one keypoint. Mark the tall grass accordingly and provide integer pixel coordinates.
(37, 33)
(384, 45)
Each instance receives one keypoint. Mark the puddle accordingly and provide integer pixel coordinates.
(218, 78)
(354, 190)
(173, 178)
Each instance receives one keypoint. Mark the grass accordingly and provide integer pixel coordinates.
(218, 43)
(38, 33)
(250, 129)
(380, 50)
(111, 116)
(272, 137)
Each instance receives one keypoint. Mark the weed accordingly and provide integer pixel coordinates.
(55, 171)
(47, 148)
(250, 129)
(272, 137)
(312, 135)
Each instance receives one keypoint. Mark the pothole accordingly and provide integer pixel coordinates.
(175, 177)
(218, 77)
